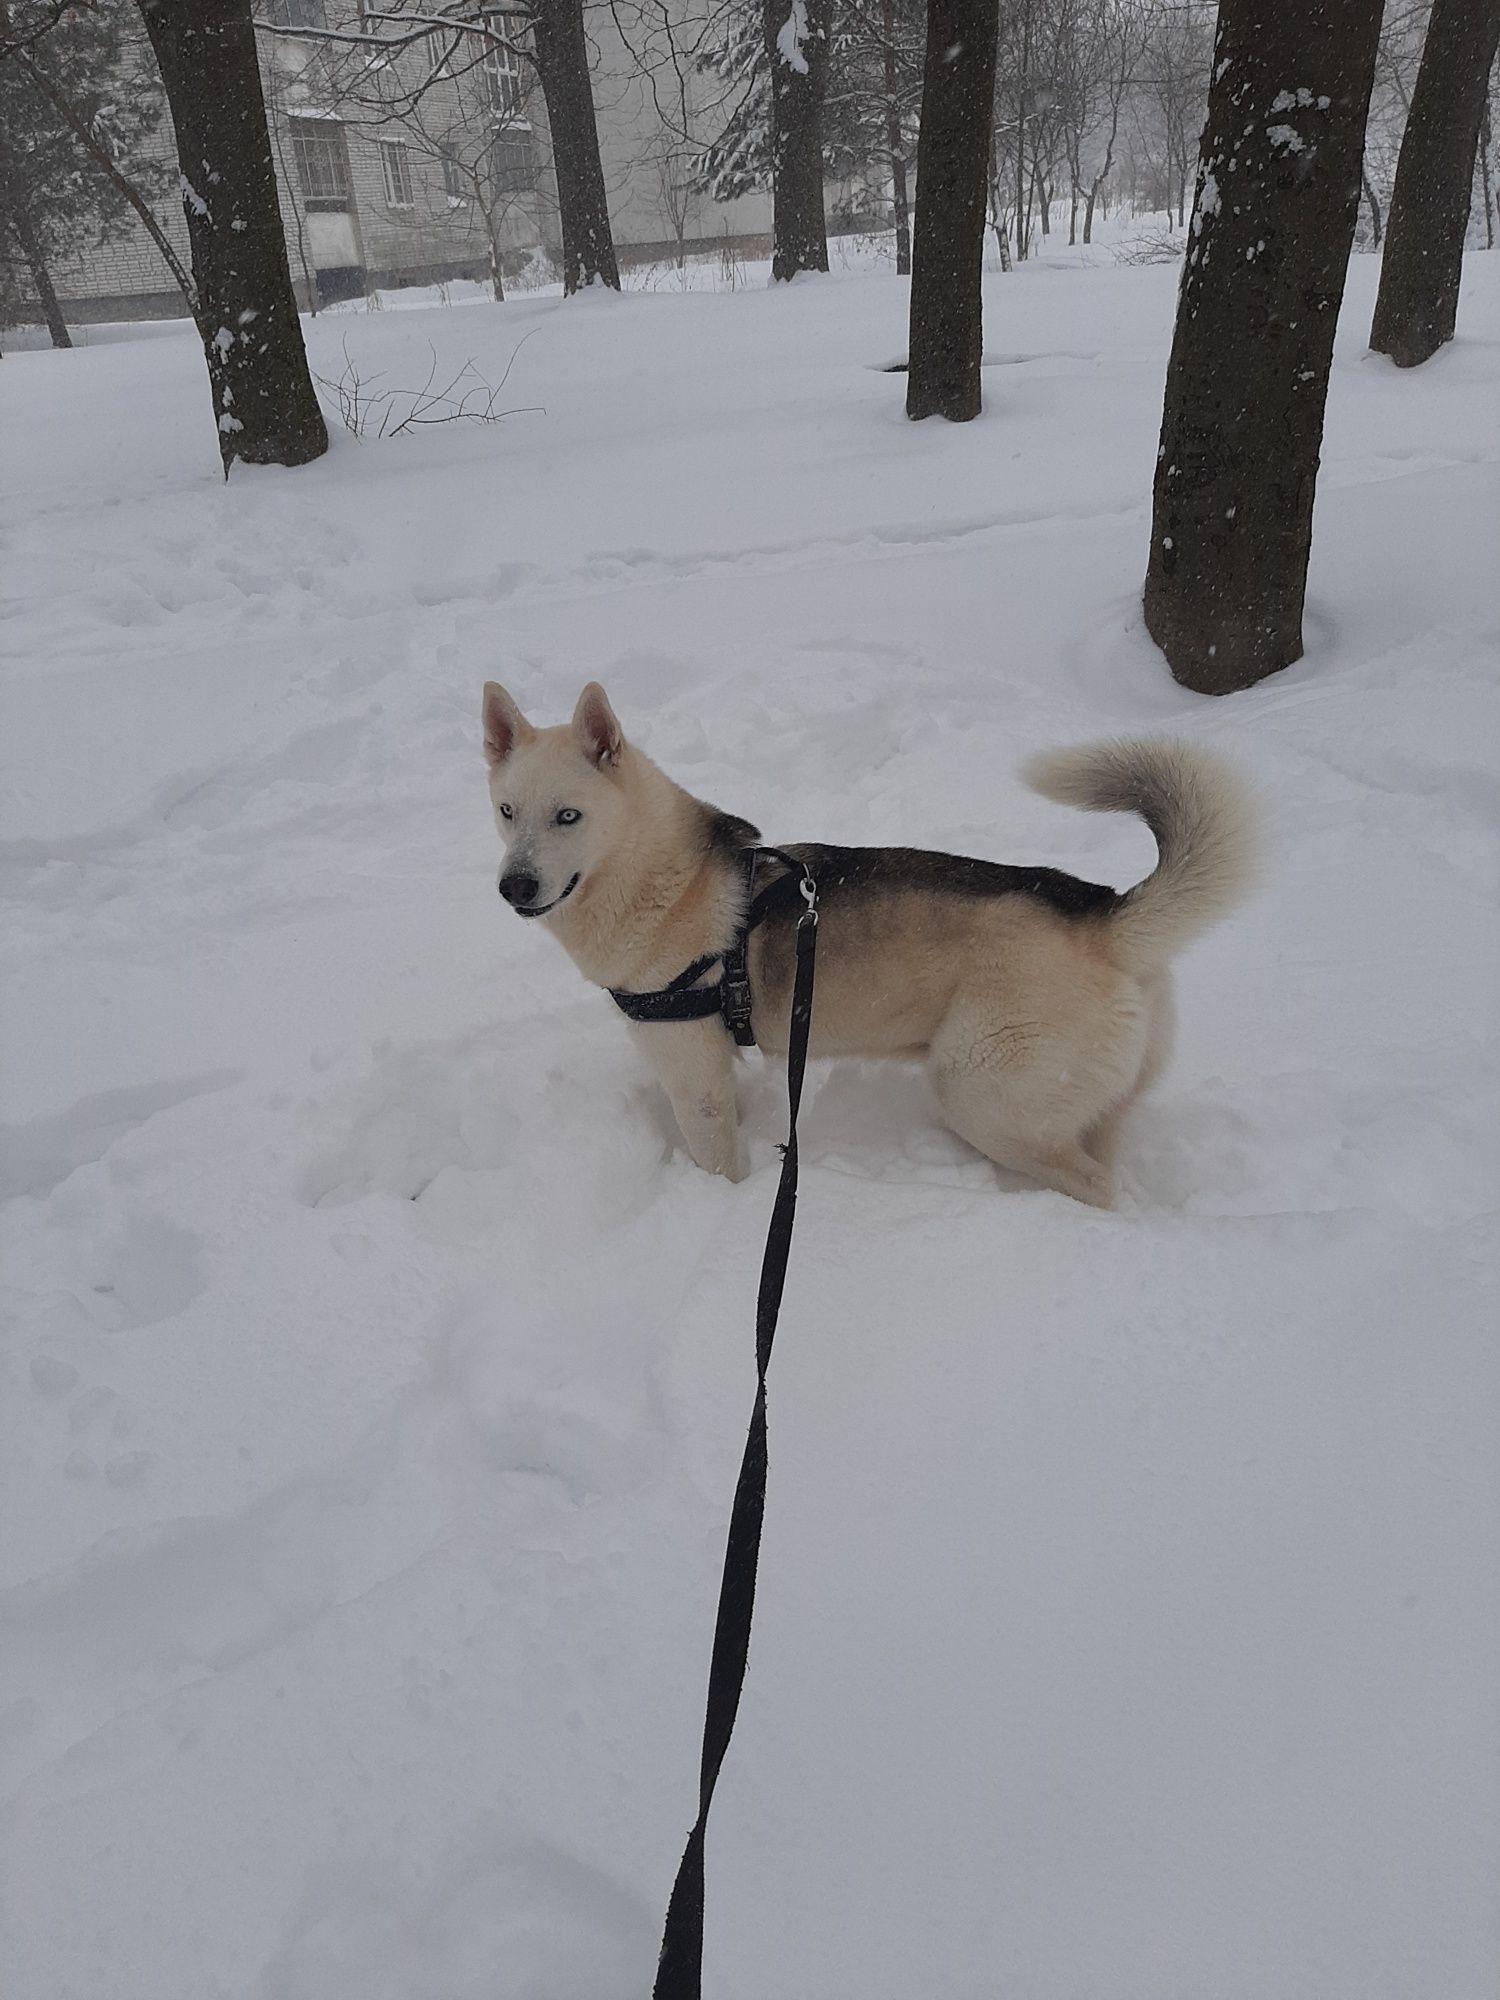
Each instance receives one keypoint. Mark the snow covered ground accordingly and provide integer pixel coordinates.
(376, 1364)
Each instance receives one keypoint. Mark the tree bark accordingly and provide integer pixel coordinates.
(1272, 226)
(1373, 200)
(953, 157)
(1484, 175)
(1023, 218)
(41, 277)
(796, 38)
(562, 61)
(1417, 303)
(900, 202)
(264, 402)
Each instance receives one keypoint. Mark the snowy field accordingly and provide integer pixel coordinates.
(376, 1364)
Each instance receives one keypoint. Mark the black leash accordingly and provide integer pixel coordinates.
(679, 1972)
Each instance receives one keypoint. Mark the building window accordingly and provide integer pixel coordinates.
(296, 14)
(455, 181)
(504, 79)
(397, 173)
(513, 162)
(322, 164)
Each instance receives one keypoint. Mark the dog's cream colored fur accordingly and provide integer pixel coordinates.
(1040, 1029)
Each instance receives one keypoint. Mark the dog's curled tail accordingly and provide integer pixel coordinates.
(1201, 814)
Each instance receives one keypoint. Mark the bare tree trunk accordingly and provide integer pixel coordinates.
(895, 146)
(497, 276)
(997, 207)
(264, 402)
(796, 39)
(1088, 214)
(562, 61)
(953, 156)
(1484, 170)
(1374, 202)
(41, 277)
(1256, 312)
(1417, 303)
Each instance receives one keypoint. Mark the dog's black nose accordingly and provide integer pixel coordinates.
(519, 890)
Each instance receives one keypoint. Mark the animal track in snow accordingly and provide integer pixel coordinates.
(39, 1156)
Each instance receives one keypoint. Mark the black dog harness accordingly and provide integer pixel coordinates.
(683, 999)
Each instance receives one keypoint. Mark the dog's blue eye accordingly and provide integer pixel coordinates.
(569, 816)
(505, 812)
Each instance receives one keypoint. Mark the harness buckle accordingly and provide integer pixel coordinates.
(737, 1004)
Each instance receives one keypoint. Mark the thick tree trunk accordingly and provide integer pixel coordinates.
(1484, 174)
(1256, 312)
(1417, 303)
(562, 60)
(900, 203)
(953, 158)
(264, 402)
(796, 37)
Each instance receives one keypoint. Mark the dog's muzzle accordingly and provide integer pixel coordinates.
(520, 890)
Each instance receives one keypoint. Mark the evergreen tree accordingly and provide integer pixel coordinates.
(56, 195)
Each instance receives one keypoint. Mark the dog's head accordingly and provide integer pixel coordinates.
(558, 796)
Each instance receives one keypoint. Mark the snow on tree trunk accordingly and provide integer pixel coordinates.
(796, 37)
(264, 402)
(1417, 303)
(953, 159)
(562, 60)
(1272, 226)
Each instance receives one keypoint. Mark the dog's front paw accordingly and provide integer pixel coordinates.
(727, 1161)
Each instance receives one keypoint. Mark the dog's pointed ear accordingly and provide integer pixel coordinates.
(596, 727)
(504, 724)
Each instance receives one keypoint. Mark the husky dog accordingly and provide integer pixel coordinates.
(1042, 1004)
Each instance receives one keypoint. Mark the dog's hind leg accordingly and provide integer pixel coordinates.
(1103, 1139)
(1028, 1072)
(1062, 1164)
